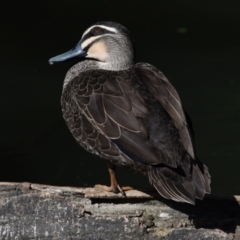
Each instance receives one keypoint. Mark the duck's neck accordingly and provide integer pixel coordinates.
(77, 69)
(92, 65)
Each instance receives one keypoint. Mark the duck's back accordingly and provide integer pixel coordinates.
(134, 118)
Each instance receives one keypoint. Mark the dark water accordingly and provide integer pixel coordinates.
(195, 43)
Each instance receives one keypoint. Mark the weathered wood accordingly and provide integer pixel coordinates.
(33, 211)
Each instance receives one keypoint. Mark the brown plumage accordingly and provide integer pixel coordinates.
(131, 115)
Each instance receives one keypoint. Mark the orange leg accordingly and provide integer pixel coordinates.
(114, 187)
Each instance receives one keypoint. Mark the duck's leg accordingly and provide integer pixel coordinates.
(114, 187)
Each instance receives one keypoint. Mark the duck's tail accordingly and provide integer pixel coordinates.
(179, 185)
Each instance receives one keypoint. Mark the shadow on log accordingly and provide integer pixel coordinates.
(33, 211)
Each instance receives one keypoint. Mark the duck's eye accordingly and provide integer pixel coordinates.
(97, 31)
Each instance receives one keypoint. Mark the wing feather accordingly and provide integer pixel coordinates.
(96, 109)
(165, 93)
(124, 119)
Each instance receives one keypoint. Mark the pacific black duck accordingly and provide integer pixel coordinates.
(130, 115)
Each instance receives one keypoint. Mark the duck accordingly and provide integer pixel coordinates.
(130, 115)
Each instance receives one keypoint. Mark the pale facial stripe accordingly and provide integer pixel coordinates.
(89, 41)
(111, 29)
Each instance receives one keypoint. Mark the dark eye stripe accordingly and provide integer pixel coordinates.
(96, 31)
(102, 32)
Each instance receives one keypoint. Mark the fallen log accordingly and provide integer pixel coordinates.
(34, 211)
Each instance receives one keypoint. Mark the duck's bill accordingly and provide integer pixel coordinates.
(76, 52)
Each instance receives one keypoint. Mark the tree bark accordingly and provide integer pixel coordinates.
(34, 211)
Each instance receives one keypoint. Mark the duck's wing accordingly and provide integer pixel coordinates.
(191, 178)
(159, 86)
(105, 114)
(108, 105)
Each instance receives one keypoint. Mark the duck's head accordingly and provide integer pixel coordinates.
(108, 43)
